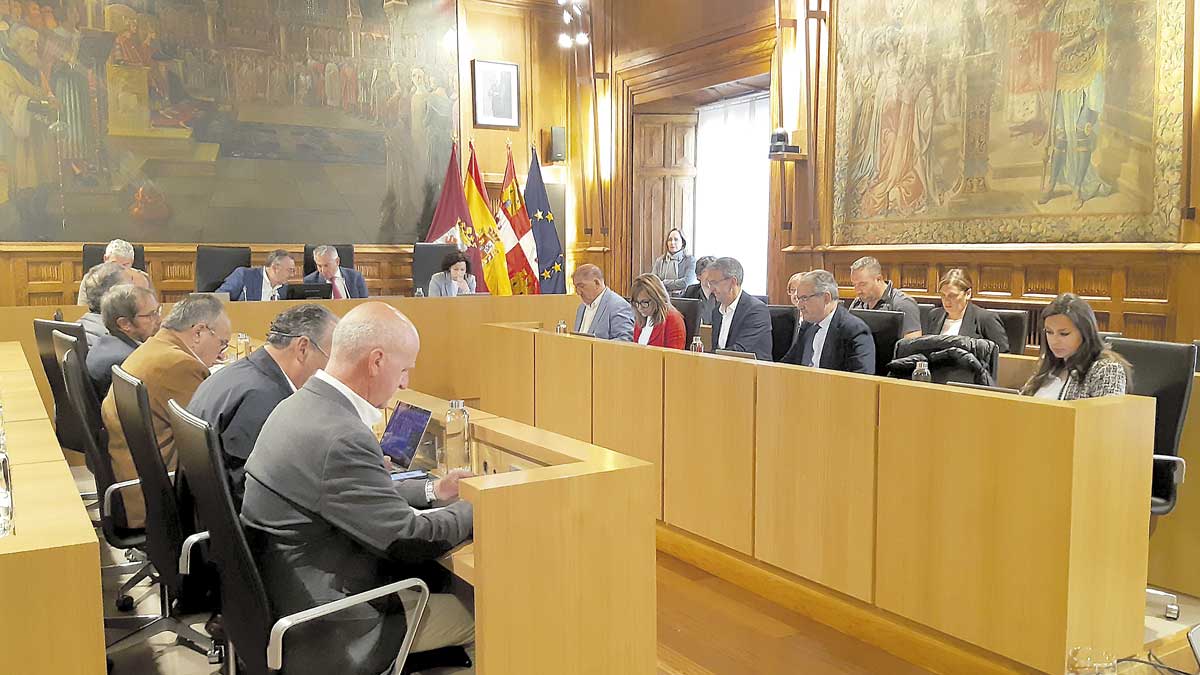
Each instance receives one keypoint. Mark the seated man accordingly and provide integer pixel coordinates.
(118, 251)
(237, 399)
(740, 322)
(172, 364)
(347, 282)
(875, 293)
(260, 283)
(132, 315)
(831, 337)
(326, 520)
(701, 291)
(96, 283)
(603, 313)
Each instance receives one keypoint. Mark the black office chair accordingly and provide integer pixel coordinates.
(1163, 370)
(254, 632)
(1016, 326)
(764, 299)
(887, 328)
(1105, 335)
(783, 330)
(345, 257)
(925, 309)
(214, 263)
(951, 358)
(164, 531)
(427, 261)
(93, 254)
(690, 309)
(66, 424)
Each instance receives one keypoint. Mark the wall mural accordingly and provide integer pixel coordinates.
(1008, 121)
(225, 120)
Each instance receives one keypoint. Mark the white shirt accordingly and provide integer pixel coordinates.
(589, 313)
(644, 336)
(951, 326)
(819, 339)
(268, 291)
(369, 414)
(1052, 389)
(727, 320)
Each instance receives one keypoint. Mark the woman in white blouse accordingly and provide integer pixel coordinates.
(1075, 362)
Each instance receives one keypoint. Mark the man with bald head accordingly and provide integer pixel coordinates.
(325, 519)
(603, 313)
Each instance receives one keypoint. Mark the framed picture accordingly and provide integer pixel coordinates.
(497, 94)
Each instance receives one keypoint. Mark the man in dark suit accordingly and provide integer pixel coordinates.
(325, 520)
(347, 282)
(237, 399)
(740, 322)
(131, 314)
(700, 290)
(261, 283)
(831, 337)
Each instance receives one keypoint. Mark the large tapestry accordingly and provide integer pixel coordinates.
(225, 120)
(1008, 121)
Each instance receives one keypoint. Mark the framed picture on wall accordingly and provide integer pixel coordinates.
(497, 94)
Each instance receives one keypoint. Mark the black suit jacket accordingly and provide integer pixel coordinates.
(848, 347)
(977, 322)
(110, 350)
(750, 330)
(236, 401)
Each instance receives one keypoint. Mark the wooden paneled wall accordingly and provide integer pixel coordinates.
(49, 274)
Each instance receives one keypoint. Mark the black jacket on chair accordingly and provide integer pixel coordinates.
(750, 330)
(849, 346)
(977, 322)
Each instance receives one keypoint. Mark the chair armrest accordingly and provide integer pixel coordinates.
(275, 645)
(1179, 470)
(106, 505)
(185, 552)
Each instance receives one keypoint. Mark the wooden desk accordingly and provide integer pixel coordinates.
(19, 396)
(32, 442)
(563, 384)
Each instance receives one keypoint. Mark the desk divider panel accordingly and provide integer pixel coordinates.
(815, 475)
(708, 447)
(1175, 541)
(563, 384)
(507, 381)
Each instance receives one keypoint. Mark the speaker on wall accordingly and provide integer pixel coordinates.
(558, 144)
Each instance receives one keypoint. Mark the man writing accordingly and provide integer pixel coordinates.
(347, 282)
(874, 292)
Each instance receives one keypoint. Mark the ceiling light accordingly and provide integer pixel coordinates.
(581, 38)
(566, 16)
(564, 41)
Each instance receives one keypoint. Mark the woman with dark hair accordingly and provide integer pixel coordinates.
(455, 277)
(1075, 363)
(657, 323)
(675, 268)
(959, 316)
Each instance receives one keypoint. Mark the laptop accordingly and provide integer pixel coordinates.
(403, 435)
(308, 291)
(739, 355)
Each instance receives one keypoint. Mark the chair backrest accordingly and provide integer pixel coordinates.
(690, 309)
(427, 261)
(93, 254)
(925, 309)
(1163, 370)
(164, 534)
(214, 263)
(85, 407)
(783, 329)
(1016, 325)
(763, 299)
(245, 608)
(887, 328)
(345, 257)
(66, 425)
(1104, 335)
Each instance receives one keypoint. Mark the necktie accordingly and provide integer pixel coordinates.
(806, 355)
(337, 290)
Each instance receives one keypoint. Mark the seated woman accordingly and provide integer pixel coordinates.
(455, 277)
(1075, 362)
(657, 323)
(959, 316)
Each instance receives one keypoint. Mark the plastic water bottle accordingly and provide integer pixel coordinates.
(560, 327)
(456, 448)
(697, 345)
(6, 498)
(243, 345)
(419, 294)
(921, 373)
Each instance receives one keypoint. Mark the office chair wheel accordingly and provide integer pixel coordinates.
(1172, 612)
(124, 603)
(216, 655)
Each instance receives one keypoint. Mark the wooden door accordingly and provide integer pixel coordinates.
(664, 183)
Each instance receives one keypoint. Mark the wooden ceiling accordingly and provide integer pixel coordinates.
(689, 102)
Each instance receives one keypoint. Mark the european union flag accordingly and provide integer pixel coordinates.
(551, 264)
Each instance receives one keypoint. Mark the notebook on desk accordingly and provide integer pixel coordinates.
(403, 435)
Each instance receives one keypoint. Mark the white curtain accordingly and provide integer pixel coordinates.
(733, 185)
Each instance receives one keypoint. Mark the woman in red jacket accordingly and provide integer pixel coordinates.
(657, 323)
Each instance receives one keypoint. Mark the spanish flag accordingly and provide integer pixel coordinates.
(484, 234)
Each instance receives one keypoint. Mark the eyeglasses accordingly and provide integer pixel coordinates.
(294, 336)
(643, 303)
(157, 311)
(806, 298)
(224, 342)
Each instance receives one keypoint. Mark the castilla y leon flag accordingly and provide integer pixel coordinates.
(452, 220)
(517, 234)
(549, 247)
(485, 235)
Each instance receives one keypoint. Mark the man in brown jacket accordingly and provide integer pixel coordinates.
(172, 364)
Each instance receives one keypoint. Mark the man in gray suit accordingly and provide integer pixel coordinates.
(325, 520)
(238, 399)
(603, 313)
(131, 314)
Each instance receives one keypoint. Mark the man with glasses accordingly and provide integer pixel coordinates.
(237, 400)
(740, 322)
(171, 363)
(830, 336)
(701, 290)
(132, 315)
